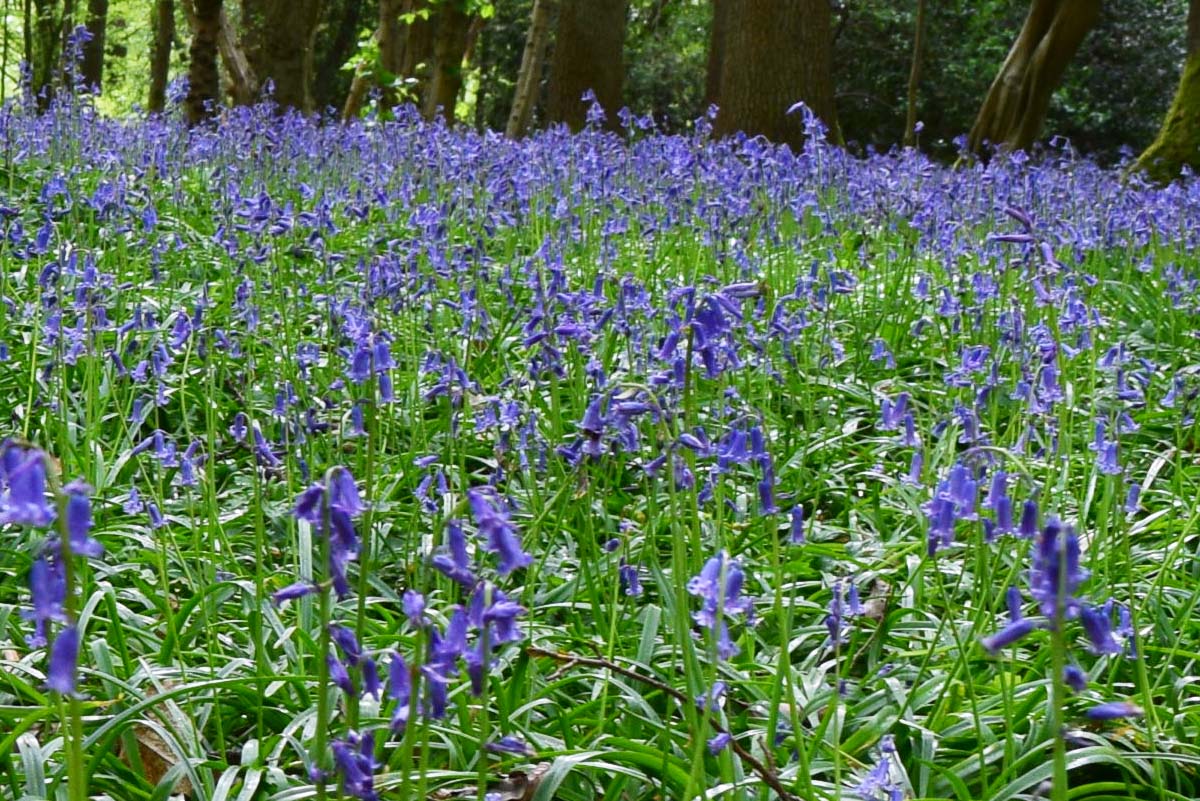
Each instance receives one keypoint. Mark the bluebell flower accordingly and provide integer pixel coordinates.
(501, 534)
(399, 690)
(354, 758)
(1114, 710)
(294, 591)
(371, 683)
(1097, 625)
(1056, 555)
(510, 744)
(630, 581)
(453, 561)
(79, 521)
(48, 590)
(339, 676)
(719, 742)
(1074, 677)
(711, 698)
(23, 501)
(347, 643)
(413, 605)
(64, 658)
(797, 526)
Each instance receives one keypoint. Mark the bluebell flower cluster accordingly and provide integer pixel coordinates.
(25, 501)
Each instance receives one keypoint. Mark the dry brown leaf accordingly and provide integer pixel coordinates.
(518, 785)
(156, 755)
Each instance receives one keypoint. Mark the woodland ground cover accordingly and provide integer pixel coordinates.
(384, 460)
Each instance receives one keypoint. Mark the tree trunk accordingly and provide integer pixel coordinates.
(243, 82)
(416, 53)
(1017, 102)
(777, 53)
(530, 75)
(1178, 142)
(589, 47)
(278, 40)
(344, 21)
(203, 80)
(453, 25)
(163, 24)
(716, 51)
(92, 70)
(46, 42)
(1193, 28)
(914, 77)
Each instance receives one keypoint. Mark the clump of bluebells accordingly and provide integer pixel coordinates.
(1054, 580)
(24, 502)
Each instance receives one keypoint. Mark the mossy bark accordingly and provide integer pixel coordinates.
(1178, 142)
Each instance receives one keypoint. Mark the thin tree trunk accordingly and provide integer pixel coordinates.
(92, 70)
(1178, 142)
(589, 48)
(530, 75)
(449, 47)
(777, 53)
(914, 77)
(203, 80)
(1017, 103)
(163, 23)
(716, 51)
(243, 82)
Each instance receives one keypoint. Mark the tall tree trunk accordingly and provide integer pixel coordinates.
(1193, 28)
(203, 80)
(453, 25)
(278, 40)
(163, 24)
(716, 51)
(92, 70)
(1017, 102)
(243, 82)
(914, 77)
(777, 53)
(589, 47)
(344, 20)
(1178, 142)
(415, 56)
(530, 76)
(46, 42)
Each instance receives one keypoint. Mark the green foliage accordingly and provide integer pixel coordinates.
(1113, 96)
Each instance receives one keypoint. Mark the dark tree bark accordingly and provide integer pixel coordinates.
(530, 76)
(415, 53)
(278, 41)
(1193, 28)
(203, 80)
(776, 53)
(716, 51)
(337, 41)
(92, 69)
(453, 25)
(589, 47)
(1178, 142)
(914, 77)
(163, 24)
(1017, 102)
(46, 49)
